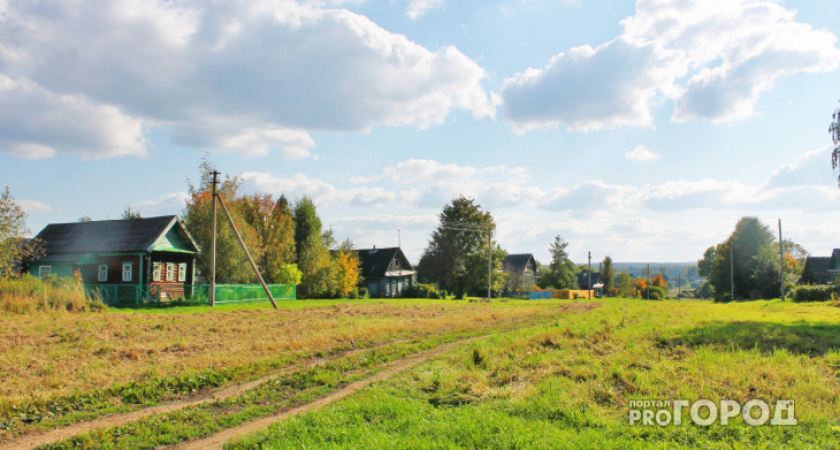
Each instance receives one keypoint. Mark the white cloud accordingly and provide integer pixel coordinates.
(171, 203)
(730, 50)
(34, 206)
(810, 168)
(641, 153)
(247, 77)
(419, 8)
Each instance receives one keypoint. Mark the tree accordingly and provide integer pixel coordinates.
(704, 266)
(231, 263)
(313, 258)
(834, 131)
(13, 247)
(85, 218)
(457, 254)
(130, 214)
(272, 222)
(607, 274)
(288, 274)
(346, 272)
(626, 286)
(750, 250)
(562, 272)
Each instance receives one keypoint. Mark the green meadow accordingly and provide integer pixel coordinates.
(572, 384)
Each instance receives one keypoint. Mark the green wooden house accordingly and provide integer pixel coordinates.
(155, 253)
(386, 272)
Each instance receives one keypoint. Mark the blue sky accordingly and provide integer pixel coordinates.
(642, 130)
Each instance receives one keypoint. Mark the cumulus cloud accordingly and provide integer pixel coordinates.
(809, 169)
(591, 88)
(247, 77)
(713, 58)
(641, 153)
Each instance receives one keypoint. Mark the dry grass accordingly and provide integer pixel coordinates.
(44, 355)
(28, 294)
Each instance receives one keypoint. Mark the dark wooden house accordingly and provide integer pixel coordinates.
(816, 271)
(156, 252)
(386, 272)
(522, 271)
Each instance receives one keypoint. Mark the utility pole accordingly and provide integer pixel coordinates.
(781, 261)
(489, 261)
(648, 281)
(679, 284)
(215, 182)
(731, 272)
(589, 274)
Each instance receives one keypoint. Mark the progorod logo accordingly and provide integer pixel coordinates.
(703, 412)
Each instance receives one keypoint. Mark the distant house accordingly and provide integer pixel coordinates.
(816, 270)
(386, 272)
(522, 271)
(154, 251)
(584, 279)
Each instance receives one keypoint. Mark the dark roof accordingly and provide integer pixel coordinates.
(816, 269)
(117, 236)
(375, 261)
(834, 266)
(517, 263)
(583, 279)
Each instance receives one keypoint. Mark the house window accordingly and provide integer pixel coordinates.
(182, 272)
(397, 263)
(44, 271)
(156, 271)
(103, 272)
(170, 272)
(126, 271)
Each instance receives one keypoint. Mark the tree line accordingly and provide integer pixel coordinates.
(286, 240)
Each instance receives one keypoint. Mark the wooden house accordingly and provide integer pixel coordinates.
(522, 271)
(816, 270)
(156, 252)
(386, 272)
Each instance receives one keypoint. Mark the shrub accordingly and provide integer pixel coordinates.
(364, 293)
(27, 294)
(817, 293)
(421, 290)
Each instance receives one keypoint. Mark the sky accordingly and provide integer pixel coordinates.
(639, 130)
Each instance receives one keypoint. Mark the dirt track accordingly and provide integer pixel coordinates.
(218, 440)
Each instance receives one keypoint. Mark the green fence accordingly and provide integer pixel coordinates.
(187, 294)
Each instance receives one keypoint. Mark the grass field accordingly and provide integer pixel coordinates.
(570, 385)
(543, 377)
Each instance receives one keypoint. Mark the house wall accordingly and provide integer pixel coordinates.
(170, 288)
(388, 287)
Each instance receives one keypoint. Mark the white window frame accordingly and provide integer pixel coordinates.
(397, 263)
(44, 271)
(170, 272)
(156, 269)
(100, 275)
(129, 266)
(182, 272)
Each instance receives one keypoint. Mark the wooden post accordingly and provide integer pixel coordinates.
(213, 244)
(781, 261)
(589, 274)
(247, 253)
(489, 261)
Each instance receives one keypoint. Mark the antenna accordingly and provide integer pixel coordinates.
(399, 242)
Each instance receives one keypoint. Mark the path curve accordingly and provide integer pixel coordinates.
(26, 442)
(217, 441)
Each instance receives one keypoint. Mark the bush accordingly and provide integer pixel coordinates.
(27, 294)
(818, 293)
(363, 292)
(421, 290)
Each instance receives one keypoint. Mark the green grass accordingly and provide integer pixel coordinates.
(569, 385)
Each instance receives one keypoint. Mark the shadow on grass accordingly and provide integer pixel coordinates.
(802, 338)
